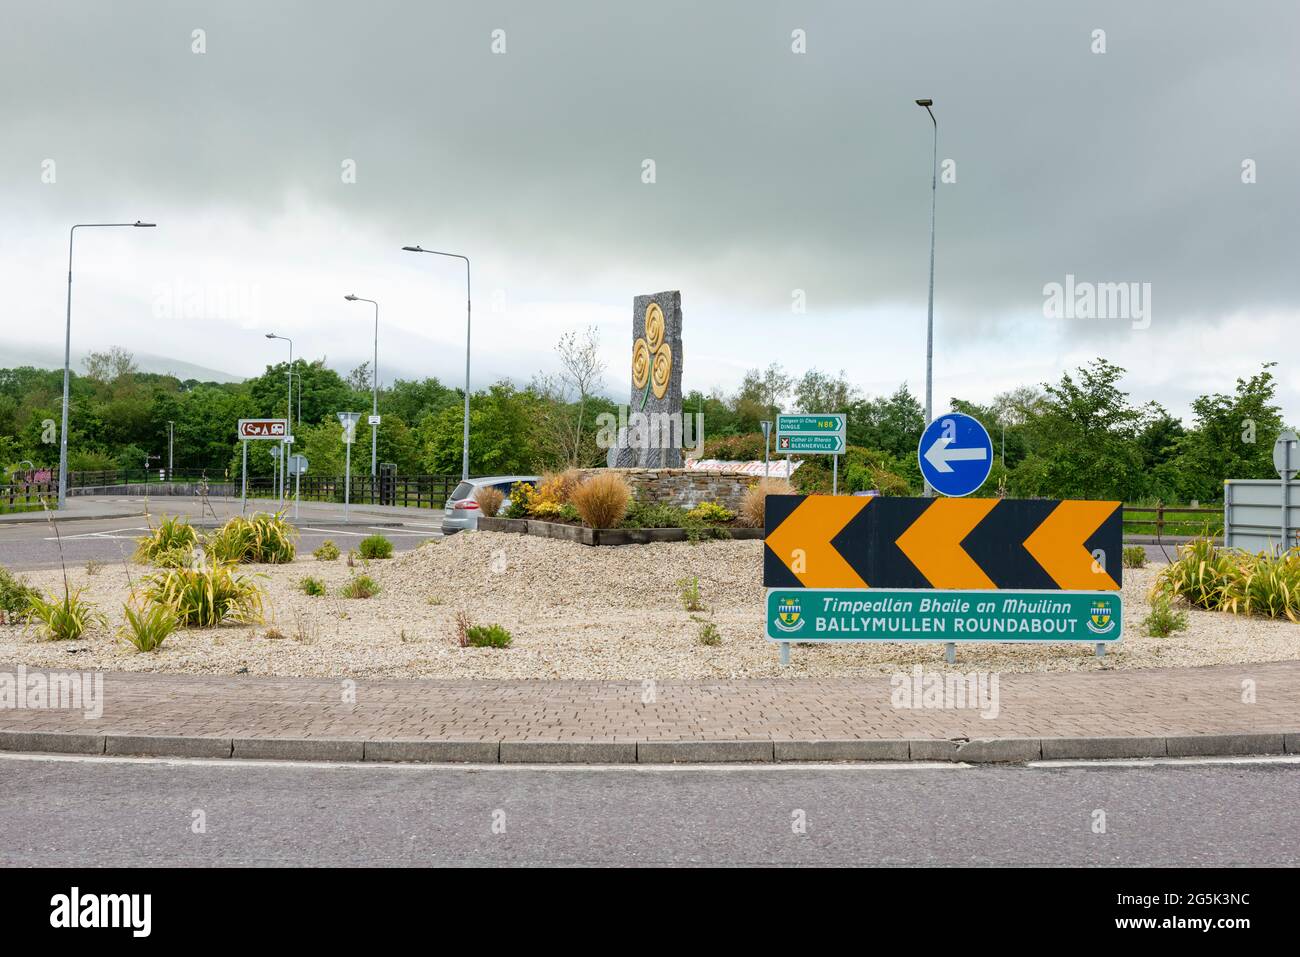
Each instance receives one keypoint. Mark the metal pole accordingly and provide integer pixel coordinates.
(835, 475)
(929, 319)
(297, 487)
(464, 454)
(67, 375)
(767, 431)
(1286, 496)
(374, 404)
(67, 362)
(785, 653)
(347, 473)
(243, 486)
(171, 445)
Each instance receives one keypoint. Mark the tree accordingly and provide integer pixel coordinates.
(820, 392)
(107, 367)
(1232, 438)
(582, 375)
(361, 379)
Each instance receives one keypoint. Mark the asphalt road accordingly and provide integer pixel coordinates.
(34, 545)
(90, 812)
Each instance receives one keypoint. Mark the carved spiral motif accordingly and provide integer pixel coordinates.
(652, 357)
(640, 364)
(662, 369)
(654, 326)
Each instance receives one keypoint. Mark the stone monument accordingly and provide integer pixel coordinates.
(651, 437)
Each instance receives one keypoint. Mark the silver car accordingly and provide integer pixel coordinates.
(460, 514)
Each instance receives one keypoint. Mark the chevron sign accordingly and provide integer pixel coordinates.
(958, 544)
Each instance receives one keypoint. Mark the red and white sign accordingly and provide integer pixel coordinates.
(263, 429)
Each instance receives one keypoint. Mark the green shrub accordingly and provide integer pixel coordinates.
(712, 512)
(1233, 581)
(63, 619)
(263, 539)
(362, 586)
(569, 512)
(312, 586)
(1135, 556)
(375, 546)
(1163, 620)
(180, 557)
(147, 628)
(646, 514)
(709, 634)
(690, 592)
(206, 594)
(487, 636)
(172, 534)
(15, 595)
(327, 552)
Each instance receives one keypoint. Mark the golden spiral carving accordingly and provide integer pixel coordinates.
(661, 370)
(640, 364)
(654, 326)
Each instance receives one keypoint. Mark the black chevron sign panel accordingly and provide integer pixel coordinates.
(826, 541)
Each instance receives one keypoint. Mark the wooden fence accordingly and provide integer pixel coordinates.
(1160, 521)
(27, 496)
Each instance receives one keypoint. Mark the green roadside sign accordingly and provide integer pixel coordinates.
(902, 614)
(806, 433)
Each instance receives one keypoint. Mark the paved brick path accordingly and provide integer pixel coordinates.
(1118, 703)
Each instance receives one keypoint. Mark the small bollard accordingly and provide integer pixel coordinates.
(950, 652)
(785, 653)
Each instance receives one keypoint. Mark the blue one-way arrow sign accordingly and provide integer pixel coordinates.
(955, 454)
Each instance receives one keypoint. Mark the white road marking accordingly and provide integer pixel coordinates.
(1152, 762)
(393, 766)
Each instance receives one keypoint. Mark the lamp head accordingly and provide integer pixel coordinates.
(413, 249)
(925, 103)
(350, 298)
(144, 225)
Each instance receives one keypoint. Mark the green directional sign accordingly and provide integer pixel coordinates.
(809, 443)
(901, 614)
(807, 432)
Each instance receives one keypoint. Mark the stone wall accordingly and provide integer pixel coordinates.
(687, 487)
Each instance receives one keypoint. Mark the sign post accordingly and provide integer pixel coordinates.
(767, 434)
(1286, 459)
(820, 433)
(944, 570)
(349, 422)
(257, 430)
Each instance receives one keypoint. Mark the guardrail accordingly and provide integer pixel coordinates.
(409, 491)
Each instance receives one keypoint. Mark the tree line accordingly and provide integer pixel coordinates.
(1079, 437)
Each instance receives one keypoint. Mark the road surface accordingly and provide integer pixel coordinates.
(33, 545)
(93, 811)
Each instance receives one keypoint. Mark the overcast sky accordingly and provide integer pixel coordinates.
(775, 172)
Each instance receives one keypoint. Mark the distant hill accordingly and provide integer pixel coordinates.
(42, 357)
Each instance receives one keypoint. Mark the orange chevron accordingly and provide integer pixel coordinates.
(1057, 545)
(809, 529)
(933, 542)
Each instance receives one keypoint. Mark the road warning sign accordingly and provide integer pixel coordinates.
(821, 541)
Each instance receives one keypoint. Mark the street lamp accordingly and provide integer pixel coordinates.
(929, 321)
(374, 389)
(67, 357)
(171, 445)
(288, 428)
(464, 453)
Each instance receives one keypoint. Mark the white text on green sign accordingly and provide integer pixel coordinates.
(900, 614)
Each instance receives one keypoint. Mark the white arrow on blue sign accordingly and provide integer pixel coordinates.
(956, 454)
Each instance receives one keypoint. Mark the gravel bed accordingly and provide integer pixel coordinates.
(575, 612)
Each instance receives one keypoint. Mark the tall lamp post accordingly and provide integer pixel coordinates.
(929, 320)
(284, 446)
(464, 452)
(374, 389)
(171, 447)
(67, 356)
